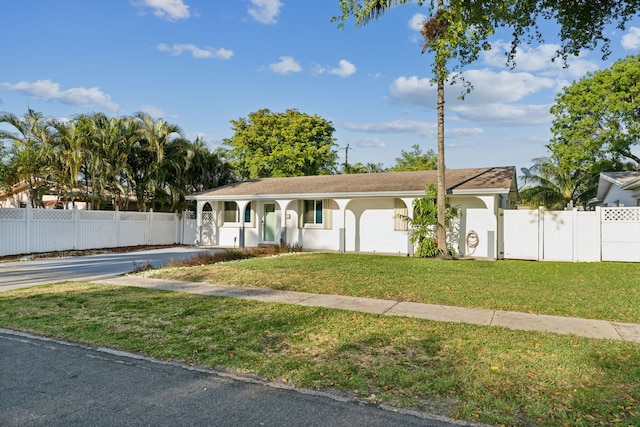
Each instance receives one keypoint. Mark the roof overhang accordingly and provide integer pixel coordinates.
(301, 196)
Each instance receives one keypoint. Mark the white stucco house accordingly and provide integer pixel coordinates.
(618, 189)
(354, 213)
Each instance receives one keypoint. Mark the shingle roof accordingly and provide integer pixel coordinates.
(623, 179)
(457, 180)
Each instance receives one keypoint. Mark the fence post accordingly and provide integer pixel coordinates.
(76, 225)
(540, 234)
(116, 226)
(27, 234)
(574, 234)
(176, 221)
(599, 231)
(149, 225)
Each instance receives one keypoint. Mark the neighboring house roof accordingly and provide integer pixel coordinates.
(627, 180)
(458, 181)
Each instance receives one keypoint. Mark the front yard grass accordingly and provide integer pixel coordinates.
(607, 291)
(471, 372)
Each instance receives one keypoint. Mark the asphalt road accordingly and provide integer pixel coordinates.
(49, 383)
(91, 267)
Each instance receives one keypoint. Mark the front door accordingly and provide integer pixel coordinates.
(269, 223)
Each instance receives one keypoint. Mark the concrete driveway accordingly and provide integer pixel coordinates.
(21, 274)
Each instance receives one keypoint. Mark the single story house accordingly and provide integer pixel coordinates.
(354, 213)
(618, 189)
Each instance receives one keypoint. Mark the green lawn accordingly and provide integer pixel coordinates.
(608, 291)
(488, 374)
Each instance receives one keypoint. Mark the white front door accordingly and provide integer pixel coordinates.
(269, 223)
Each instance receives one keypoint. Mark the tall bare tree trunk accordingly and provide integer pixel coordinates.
(441, 187)
(441, 232)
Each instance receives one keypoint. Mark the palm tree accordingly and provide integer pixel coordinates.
(148, 153)
(424, 223)
(28, 153)
(554, 187)
(67, 156)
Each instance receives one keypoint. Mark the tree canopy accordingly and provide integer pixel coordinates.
(597, 118)
(107, 160)
(415, 160)
(268, 144)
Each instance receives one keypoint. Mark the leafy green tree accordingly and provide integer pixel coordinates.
(268, 144)
(415, 160)
(597, 118)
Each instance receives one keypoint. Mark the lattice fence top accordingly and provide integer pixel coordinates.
(52, 215)
(631, 214)
(134, 216)
(11, 213)
(96, 216)
(190, 215)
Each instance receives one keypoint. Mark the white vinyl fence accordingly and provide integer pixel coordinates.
(606, 234)
(43, 230)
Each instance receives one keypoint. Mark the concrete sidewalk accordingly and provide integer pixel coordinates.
(512, 320)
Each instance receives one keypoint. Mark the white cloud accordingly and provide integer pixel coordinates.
(345, 69)
(428, 129)
(416, 21)
(286, 65)
(504, 86)
(505, 114)
(318, 69)
(494, 100)
(369, 142)
(631, 40)
(395, 126)
(171, 10)
(539, 59)
(489, 87)
(265, 11)
(196, 52)
(79, 96)
(153, 111)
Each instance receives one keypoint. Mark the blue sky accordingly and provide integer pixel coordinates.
(202, 63)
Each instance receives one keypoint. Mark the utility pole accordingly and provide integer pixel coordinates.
(346, 155)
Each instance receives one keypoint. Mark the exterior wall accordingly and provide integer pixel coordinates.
(313, 237)
(369, 227)
(477, 214)
(365, 225)
(617, 197)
